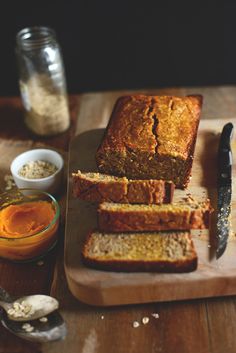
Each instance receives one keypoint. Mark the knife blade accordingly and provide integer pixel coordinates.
(224, 187)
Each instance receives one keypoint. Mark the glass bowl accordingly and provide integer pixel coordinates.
(29, 221)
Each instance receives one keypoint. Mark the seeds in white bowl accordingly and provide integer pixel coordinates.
(37, 169)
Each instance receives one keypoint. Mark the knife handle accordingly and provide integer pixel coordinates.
(225, 159)
(226, 137)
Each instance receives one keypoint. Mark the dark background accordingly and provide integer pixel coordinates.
(129, 44)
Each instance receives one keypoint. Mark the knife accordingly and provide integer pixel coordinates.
(224, 186)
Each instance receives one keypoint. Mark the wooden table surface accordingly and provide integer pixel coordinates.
(195, 326)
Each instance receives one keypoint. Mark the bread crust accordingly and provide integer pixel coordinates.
(171, 266)
(151, 137)
(125, 219)
(142, 266)
(101, 188)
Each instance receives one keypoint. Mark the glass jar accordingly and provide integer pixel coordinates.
(42, 81)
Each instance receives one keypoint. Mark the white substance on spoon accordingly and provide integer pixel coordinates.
(39, 301)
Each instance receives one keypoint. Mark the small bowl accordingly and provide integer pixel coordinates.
(35, 244)
(49, 184)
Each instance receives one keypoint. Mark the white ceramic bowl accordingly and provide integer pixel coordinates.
(49, 184)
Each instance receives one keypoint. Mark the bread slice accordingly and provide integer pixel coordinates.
(151, 137)
(160, 252)
(102, 187)
(128, 218)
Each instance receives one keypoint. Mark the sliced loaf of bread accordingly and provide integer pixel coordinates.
(160, 252)
(99, 187)
(114, 217)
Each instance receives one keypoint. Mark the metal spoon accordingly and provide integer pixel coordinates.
(52, 330)
(27, 308)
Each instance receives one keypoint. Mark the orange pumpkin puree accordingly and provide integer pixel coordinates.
(25, 219)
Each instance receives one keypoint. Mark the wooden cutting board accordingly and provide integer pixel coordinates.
(212, 278)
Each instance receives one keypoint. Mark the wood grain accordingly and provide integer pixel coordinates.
(20, 279)
(95, 108)
(13, 127)
(181, 326)
(197, 326)
(110, 288)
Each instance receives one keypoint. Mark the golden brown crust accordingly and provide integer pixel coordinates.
(142, 266)
(97, 191)
(151, 137)
(99, 187)
(153, 218)
(178, 265)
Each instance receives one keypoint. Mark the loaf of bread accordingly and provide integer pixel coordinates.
(165, 252)
(151, 137)
(114, 217)
(99, 187)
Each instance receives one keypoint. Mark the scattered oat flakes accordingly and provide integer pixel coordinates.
(145, 320)
(136, 324)
(43, 319)
(155, 315)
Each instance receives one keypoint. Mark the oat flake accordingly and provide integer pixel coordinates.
(155, 315)
(145, 320)
(136, 324)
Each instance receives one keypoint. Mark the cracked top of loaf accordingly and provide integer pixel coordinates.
(161, 125)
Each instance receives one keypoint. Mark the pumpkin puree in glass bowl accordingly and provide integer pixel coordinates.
(25, 219)
(28, 224)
